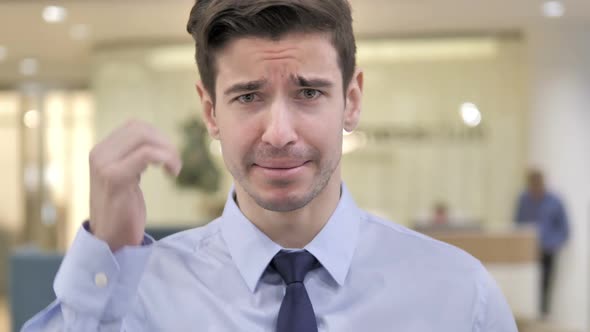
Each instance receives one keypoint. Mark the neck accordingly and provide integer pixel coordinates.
(297, 228)
(537, 194)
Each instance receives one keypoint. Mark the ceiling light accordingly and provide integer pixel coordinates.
(29, 66)
(553, 9)
(79, 31)
(31, 119)
(470, 114)
(54, 14)
(2, 53)
(436, 49)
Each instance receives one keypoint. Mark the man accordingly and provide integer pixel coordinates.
(291, 251)
(545, 211)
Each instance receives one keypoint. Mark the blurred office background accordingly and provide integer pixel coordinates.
(461, 98)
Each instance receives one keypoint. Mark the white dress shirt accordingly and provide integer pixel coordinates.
(375, 276)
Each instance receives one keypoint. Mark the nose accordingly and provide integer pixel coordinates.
(279, 129)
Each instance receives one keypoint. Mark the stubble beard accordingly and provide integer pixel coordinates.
(291, 202)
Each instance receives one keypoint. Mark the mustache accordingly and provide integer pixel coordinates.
(267, 152)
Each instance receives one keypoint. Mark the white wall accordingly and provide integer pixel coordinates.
(478, 178)
(559, 143)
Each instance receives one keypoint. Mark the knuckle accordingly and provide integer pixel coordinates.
(145, 134)
(149, 132)
(145, 153)
(132, 123)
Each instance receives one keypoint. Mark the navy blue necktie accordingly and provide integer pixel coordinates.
(296, 313)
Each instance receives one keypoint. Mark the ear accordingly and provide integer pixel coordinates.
(208, 111)
(354, 97)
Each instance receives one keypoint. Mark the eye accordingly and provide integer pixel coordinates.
(310, 94)
(247, 98)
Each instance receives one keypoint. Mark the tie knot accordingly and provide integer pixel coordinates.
(293, 266)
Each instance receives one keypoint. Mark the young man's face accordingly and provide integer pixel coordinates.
(279, 114)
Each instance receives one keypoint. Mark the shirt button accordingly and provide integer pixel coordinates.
(101, 280)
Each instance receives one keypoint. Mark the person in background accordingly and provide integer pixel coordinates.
(545, 211)
(441, 214)
(442, 217)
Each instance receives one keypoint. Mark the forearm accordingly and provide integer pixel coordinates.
(95, 288)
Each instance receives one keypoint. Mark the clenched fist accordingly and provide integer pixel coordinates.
(117, 206)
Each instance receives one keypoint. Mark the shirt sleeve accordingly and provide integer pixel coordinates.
(95, 288)
(493, 314)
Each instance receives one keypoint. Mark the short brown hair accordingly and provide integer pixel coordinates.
(213, 23)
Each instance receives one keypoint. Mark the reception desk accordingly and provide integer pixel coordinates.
(511, 258)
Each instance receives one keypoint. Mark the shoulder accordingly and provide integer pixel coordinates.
(173, 257)
(190, 240)
(553, 198)
(400, 243)
(394, 252)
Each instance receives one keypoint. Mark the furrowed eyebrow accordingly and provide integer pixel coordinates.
(311, 82)
(245, 87)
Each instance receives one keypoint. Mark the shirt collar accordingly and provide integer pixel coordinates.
(252, 251)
